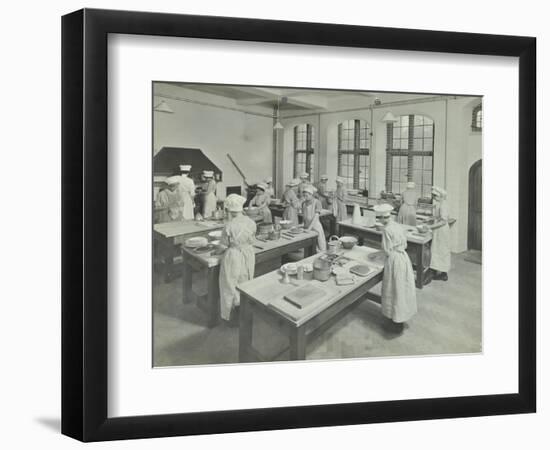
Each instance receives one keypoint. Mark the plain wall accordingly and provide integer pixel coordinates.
(217, 131)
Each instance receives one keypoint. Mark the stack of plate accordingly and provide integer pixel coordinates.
(196, 242)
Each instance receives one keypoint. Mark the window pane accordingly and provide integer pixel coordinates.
(404, 132)
(428, 144)
(418, 120)
(428, 131)
(418, 131)
(427, 177)
(417, 162)
(428, 121)
(396, 132)
(428, 162)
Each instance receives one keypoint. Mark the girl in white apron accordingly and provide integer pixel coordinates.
(187, 192)
(322, 192)
(407, 212)
(291, 202)
(168, 205)
(339, 205)
(269, 189)
(237, 264)
(311, 209)
(210, 200)
(398, 286)
(441, 245)
(261, 201)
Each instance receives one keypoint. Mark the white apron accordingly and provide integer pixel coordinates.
(262, 202)
(407, 211)
(309, 211)
(338, 206)
(171, 204)
(291, 204)
(398, 286)
(210, 200)
(187, 192)
(238, 261)
(441, 240)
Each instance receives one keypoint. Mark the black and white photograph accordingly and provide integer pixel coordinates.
(314, 224)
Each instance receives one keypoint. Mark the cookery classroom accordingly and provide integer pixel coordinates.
(314, 224)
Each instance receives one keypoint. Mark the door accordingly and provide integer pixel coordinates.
(474, 207)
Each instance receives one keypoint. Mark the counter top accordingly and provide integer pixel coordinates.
(410, 231)
(269, 290)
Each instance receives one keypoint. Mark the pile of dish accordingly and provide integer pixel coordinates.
(216, 234)
(196, 242)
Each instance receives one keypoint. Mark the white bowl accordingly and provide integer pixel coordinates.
(290, 268)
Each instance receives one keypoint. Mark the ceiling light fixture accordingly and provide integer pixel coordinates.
(278, 125)
(389, 117)
(163, 107)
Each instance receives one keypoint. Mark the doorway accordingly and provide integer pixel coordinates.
(474, 207)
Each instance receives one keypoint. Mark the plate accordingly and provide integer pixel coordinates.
(196, 242)
(216, 234)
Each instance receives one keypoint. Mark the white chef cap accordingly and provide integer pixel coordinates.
(340, 180)
(324, 177)
(304, 175)
(234, 202)
(293, 182)
(269, 180)
(411, 185)
(185, 167)
(208, 173)
(383, 210)
(309, 188)
(172, 180)
(262, 186)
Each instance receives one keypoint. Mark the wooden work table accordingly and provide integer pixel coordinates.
(263, 297)
(267, 253)
(170, 235)
(418, 245)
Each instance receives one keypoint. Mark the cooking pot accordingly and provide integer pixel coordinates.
(333, 245)
(265, 228)
(321, 269)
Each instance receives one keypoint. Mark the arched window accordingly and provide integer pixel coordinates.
(304, 149)
(409, 155)
(477, 118)
(353, 153)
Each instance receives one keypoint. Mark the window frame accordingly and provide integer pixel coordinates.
(477, 110)
(309, 151)
(357, 151)
(410, 152)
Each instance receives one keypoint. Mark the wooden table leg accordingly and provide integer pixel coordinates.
(310, 249)
(245, 329)
(213, 295)
(187, 283)
(419, 267)
(297, 344)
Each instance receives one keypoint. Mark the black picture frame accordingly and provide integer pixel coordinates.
(84, 224)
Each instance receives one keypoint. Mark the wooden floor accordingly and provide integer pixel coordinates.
(448, 321)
